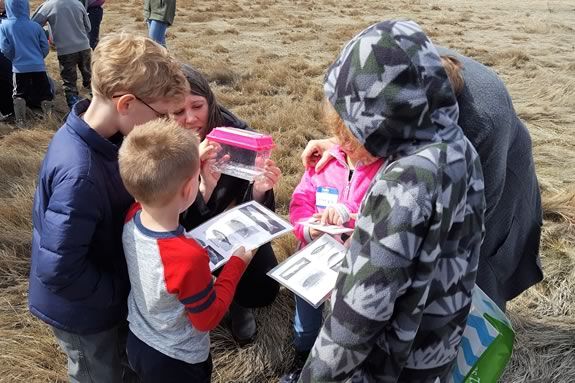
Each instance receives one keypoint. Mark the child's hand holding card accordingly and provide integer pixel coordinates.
(315, 223)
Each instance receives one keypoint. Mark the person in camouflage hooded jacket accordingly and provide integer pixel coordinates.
(404, 290)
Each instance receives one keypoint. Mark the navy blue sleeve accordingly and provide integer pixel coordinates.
(70, 220)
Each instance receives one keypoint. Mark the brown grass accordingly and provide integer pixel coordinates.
(266, 61)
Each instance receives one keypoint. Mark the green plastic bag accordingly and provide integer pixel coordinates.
(487, 342)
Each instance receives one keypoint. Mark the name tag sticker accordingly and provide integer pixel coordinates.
(325, 196)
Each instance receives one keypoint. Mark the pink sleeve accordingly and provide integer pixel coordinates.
(353, 204)
(352, 208)
(302, 205)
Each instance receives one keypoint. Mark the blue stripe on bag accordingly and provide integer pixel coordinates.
(470, 358)
(479, 324)
(457, 375)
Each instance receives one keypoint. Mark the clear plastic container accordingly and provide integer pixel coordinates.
(243, 152)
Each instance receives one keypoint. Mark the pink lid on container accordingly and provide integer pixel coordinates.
(245, 139)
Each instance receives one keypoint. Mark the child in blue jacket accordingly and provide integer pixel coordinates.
(25, 44)
(78, 277)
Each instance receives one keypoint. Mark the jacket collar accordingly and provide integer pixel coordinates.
(77, 125)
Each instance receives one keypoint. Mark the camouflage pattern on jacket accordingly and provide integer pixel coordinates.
(404, 289)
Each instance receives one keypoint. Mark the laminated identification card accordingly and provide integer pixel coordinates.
(325, 196)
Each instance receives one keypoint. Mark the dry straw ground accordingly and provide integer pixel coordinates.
(266, 60)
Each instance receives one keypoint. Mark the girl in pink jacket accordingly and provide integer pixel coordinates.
(336, 191)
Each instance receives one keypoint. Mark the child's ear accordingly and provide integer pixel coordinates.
(123, 104)
(188, 188)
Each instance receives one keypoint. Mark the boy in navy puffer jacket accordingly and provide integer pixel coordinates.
(78, 277)
(24, 43)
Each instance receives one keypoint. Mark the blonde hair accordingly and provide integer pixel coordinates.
(342, 133)
(156, 159)
(128, 63)
(453, 67)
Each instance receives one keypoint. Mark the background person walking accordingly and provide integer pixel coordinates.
(160, 15)
(70, 26)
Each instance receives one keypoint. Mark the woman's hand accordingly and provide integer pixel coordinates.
(316, 153)
(208, 150)
(266, 181)
(209, 177)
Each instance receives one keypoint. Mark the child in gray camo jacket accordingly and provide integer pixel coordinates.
(404, 289)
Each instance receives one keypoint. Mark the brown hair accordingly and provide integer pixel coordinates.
(125, 62)
(156, 159)
(453, 68)
(199, 86)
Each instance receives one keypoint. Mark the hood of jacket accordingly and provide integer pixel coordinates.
(389, 87)
(17, 9)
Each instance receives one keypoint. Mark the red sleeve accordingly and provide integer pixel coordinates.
(187, 274)
(132, 211)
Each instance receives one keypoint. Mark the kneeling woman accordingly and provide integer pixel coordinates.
(218, 193)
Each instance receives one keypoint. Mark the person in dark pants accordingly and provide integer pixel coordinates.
(69, 64)
(202, 113)
(70, 26)
(32, 86)
(145, 359)
(24, 43)
(95, 14)
(6, 87)
(174, 302)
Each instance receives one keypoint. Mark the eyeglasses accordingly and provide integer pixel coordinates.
(158, 114)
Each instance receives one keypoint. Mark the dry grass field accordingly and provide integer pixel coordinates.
(266, 61)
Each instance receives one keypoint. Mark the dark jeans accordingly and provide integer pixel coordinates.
(68, 65)
(154, 367)
(6, 86)
(95, 14)
(34, 87)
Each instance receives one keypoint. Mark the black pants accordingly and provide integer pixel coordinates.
(6, 86)
(34, 87)
(95, 14)
(152, 366)
(68, 65)
(256, 289)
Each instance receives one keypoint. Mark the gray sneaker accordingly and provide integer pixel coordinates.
(46, 107)
(19, 110)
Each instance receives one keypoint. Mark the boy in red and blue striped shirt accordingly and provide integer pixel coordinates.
(174, 301)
